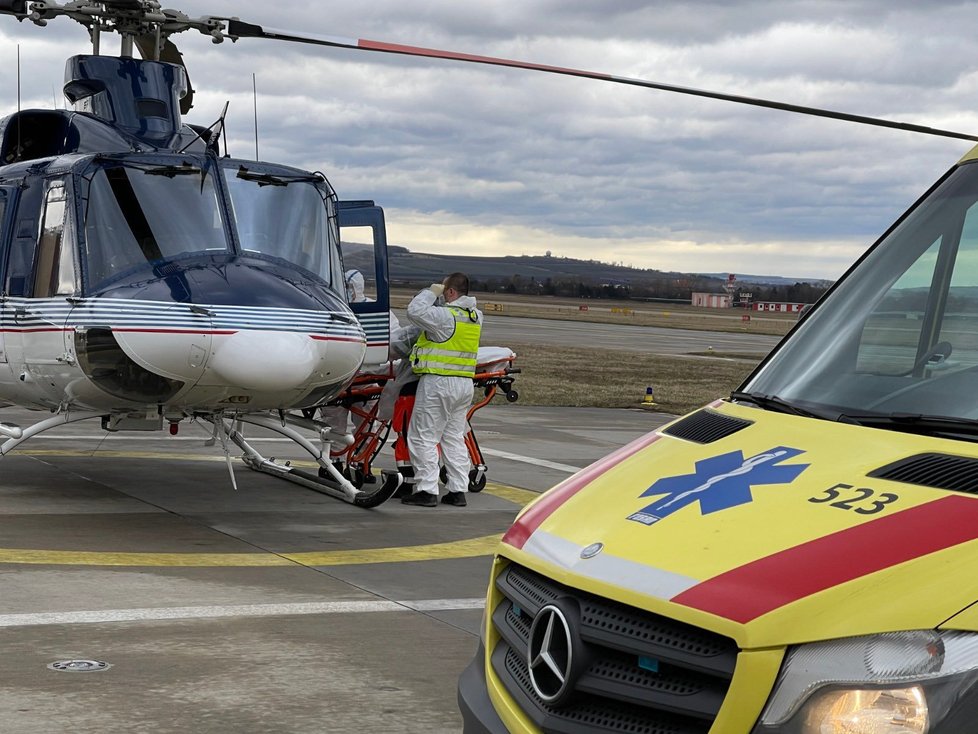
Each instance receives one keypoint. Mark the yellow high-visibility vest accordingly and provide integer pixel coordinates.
(456, 355)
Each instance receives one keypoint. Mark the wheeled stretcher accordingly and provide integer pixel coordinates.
(371, 429)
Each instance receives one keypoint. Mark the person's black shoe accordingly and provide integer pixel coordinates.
(455, 498)
(421, 499)
(406, 489)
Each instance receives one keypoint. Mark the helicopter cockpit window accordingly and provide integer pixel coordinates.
(139, 214)
(287, 218)
(54, 262)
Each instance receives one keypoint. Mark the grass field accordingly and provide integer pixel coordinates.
(603, 378)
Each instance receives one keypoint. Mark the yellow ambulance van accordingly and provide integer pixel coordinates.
(800, 558)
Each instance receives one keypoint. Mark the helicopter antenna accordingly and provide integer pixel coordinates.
(224, 132)
(254, 93)
(239, 29)
(220, 130)
(215, 127)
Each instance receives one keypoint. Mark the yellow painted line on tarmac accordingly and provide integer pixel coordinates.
(512, 494)
(468, 548)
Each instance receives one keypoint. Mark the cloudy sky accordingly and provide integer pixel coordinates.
(503, 161)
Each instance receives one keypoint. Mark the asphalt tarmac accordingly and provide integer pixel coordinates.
(178, 604)
(175, 603)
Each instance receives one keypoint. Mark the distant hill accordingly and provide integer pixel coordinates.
(408, 267)
(770, 279)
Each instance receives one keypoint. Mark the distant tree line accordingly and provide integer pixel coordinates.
(669, 288)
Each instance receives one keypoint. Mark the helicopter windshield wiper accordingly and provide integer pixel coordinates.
(774, 403)
(184, 169)
(914, 423)
(275, 179)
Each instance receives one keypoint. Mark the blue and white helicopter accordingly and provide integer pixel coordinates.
(146, 280)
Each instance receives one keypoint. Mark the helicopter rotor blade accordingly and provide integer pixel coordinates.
(240, 29)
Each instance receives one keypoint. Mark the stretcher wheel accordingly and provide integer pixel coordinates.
(476, 485)
(512, 396)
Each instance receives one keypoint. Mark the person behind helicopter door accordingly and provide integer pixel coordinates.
(445, 357)
(336, 416)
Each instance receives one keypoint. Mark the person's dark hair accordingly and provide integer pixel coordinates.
(458, 281)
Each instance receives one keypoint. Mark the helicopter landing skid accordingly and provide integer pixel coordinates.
(17, 435)
(333, 484)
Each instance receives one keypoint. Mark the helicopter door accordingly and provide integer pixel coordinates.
(363, 239)
(38, 343)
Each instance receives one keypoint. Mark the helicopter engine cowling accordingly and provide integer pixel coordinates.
(140, 97)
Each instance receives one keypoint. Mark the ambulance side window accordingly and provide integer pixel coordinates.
(961, 311)
(892, 331)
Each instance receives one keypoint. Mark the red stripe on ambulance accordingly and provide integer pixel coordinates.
(530, 520)
(759, 587)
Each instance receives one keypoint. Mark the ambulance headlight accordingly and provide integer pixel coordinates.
(919, 682)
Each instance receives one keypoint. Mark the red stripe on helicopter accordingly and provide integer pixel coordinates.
(33, 330)
(439, 54)
(172, 331)
(320, 338)
(759, 587)
(530, 520)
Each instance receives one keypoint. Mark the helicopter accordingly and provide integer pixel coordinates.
(149, 280)
(231, 313)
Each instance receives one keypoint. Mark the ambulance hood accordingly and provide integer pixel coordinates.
(773, 529)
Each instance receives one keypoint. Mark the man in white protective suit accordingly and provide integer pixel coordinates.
(445, 356)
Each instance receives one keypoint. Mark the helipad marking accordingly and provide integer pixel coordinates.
(241, 610)
(467, 548)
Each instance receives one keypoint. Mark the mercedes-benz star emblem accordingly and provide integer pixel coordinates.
(550, 653)
(592, 550)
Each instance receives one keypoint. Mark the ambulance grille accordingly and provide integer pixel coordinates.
(705, 426)
(645, 673)
(941, 471)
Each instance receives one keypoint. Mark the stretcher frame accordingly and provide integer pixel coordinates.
(371, 432)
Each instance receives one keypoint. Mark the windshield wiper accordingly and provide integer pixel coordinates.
(774, 403)
(184, 169)
(914, 423)
(275, 179)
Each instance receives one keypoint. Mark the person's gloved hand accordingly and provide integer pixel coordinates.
(437, 289)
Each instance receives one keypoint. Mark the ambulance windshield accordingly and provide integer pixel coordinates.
(898, 337)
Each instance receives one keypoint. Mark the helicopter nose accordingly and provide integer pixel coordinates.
(262, 360)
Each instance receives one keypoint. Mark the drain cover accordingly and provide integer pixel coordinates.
(79, 666)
